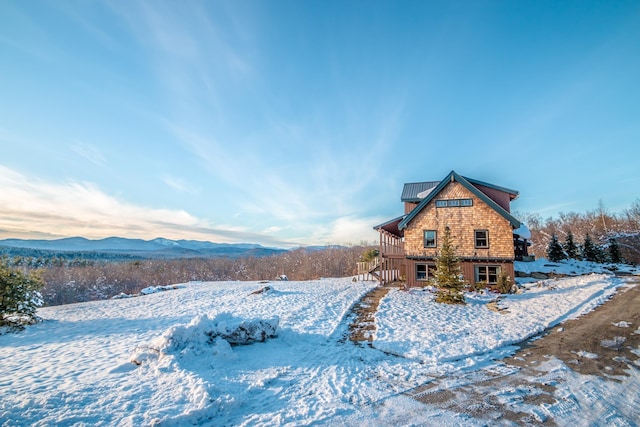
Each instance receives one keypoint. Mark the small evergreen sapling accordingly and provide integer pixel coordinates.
(448, 277)
(554, 250)
(504, 285)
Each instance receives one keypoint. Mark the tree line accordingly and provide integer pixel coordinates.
(70, 281)
(592, 235)
(587, 251)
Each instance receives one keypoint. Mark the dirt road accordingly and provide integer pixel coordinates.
(609, 332)
(598, 343)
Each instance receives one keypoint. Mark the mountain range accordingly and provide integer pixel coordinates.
(134, 248)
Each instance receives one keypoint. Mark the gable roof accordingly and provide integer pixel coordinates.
(454, 177)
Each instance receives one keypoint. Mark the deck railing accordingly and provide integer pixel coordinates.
(367, 268)
(391, 249)
(390, 244)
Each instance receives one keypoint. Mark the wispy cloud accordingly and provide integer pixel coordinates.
(278, 169)
(261, 188)
(38, 43)
(553, 209)
(32, 207)
(179, 184)
(288, 175)
(349, 229)
(192, 54)
(89, 152)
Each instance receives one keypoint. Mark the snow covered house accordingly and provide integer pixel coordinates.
(487, 237)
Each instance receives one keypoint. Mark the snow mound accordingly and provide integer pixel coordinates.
(154, 289)
(204, 335)
(148, 291)
(586, 354)
(122, 295)
(623, 324)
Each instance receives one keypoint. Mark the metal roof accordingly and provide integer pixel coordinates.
(411, 190)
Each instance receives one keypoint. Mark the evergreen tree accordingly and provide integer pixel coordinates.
(19, 296)
(369, 255)
(448, 277)
(570, 247)
(601, 254)
(614, 252)
(590, 251)
(554, 250)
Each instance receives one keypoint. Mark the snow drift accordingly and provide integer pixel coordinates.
(208, 335)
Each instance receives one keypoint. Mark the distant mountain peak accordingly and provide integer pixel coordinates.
(156, 248)
(165, 242)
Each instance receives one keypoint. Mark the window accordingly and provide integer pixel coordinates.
(429, 238)
(481, 239)
(453, 203)
(425, 271)
(487, 274)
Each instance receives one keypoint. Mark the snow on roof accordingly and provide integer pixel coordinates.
(425, 193)
(523, 231)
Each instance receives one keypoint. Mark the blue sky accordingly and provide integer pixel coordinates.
(292, 123)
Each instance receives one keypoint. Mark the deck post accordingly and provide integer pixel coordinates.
(382, 259)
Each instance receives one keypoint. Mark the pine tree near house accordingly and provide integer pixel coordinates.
(448, 277)
(570, 247)
(554, 250)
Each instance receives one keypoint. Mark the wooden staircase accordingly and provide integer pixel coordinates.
(369, 268)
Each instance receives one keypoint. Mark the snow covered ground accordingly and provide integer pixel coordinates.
(456, 332)
(75, 368)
